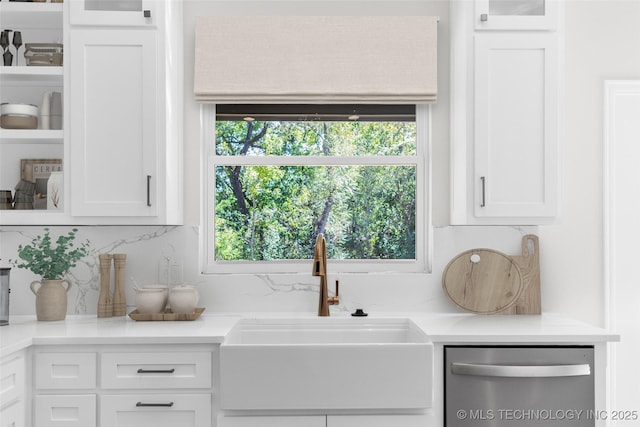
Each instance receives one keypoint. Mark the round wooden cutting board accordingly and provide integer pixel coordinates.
(482, 281)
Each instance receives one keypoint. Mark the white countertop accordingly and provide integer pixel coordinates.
(24, 331)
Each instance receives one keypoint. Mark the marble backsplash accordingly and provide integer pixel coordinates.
(149, 249)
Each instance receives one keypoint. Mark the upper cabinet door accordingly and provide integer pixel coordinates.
(516, 14)
(147, 13)
(516, 125)
(114, 111)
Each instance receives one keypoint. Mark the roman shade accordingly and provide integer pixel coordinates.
(316, 59)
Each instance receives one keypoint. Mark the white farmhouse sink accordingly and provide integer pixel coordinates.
(325, 364)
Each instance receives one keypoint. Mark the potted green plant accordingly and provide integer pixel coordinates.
(51, 262)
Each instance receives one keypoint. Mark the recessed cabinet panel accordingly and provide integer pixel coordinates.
(156, 370)
(114, 113)
(516, 126)
(13, 415)
(154, 410)
(65, 371)
(65, 410)
(516, 14)
(12, 380)
(144, 13)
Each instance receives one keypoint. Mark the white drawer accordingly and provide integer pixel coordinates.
(12, 380)
(13, 415)
(65, 410)
(65, 371)
(137, 410)
(156, 370)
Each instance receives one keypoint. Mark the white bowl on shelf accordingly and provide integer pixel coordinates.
(18, 116)
(18, 109)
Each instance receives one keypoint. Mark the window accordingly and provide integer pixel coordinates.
(277, 175)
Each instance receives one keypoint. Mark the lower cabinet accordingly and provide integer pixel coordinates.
(65, 385)
(153, 410)
(65, 410)
(377, 421)
(273, 421)
(12, 415)
(12, 391)
(409, 420)
(121, 386)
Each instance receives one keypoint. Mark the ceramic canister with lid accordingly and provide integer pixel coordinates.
(183, 299)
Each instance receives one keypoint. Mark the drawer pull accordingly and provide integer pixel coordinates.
(156, 371)
(154, 405)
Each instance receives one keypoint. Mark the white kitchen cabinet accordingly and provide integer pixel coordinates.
(404, 420)
(58, 378)
(273, 421)
(13, 415)
(153, 410)
(408, 420)
(120, 386)
(12, 391)
(516, 14)
(516, 125)
(505, 116)
(65, 371)
(114, 111)
(65, 410)
(121, 143)
(125, 114)
(157, 370)
(149, 371)
(116, 13)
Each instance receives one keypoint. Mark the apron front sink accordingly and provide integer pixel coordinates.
(325, 364)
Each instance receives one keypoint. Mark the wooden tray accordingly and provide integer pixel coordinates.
(167, 315)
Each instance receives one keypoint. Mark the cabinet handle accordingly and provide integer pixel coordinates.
(154, 405)
(147, 13)
(484, 17)
(482, 182)
(156, 371)
(148, 190)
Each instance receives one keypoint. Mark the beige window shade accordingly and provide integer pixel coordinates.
(313, 59)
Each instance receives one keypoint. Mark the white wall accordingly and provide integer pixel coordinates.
(622, 229)
(602, 42)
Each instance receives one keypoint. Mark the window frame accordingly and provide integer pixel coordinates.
(422, 160)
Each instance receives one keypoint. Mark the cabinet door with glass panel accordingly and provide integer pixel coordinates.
(146, 13)
(516, 14)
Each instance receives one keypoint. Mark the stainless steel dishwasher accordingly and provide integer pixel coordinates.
(519, 386)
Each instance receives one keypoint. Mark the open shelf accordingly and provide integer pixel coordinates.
(30, 14)
(25, 72)
(33, 136)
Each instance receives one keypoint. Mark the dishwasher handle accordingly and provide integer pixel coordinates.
(521, 371)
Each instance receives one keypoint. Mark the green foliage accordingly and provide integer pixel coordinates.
(48, 261)
(371, 209)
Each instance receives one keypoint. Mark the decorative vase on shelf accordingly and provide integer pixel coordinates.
(55, 189)
(51, 298)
